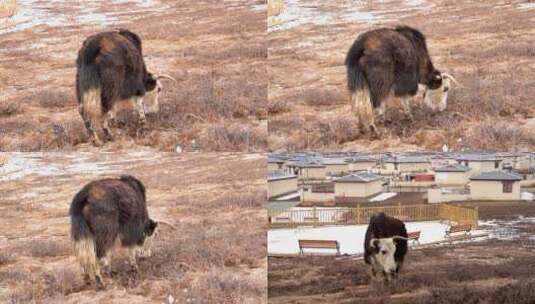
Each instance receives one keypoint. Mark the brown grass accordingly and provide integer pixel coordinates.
(216, 286)
(36, 287)
(323, 97)
(472, 273)
(493, 135)
(496, 78)
(217, 251)
(55, 98)
(8, 108)
(219, 64)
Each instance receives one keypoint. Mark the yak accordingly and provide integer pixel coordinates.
(111, 75)
(387, 61)
(107, 211)
(385, 246)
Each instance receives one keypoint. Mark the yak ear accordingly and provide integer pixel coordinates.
(151, 227)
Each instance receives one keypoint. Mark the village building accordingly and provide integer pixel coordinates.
(307, 170)
(361, 164)
(280, 184)
(452, 175)
(335, 166)
(405, 164)
(358, 185)
(521, 162)
(479, 163)
(495, 185)
(275, 164)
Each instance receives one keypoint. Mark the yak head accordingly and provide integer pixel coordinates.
(153, 88)
(434, 79)
(150, 231)
(383, 255)
(437, 99)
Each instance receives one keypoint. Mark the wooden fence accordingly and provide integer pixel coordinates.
(320, 216)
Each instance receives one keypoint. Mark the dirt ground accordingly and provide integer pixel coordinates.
(216, 50)
(497, 270)
(489, 47)
(216, 255)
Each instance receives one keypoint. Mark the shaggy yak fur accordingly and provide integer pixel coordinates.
(106, 211)
(385, 61)
(385, 246)
(111, 74)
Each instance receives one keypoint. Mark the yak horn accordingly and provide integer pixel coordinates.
(166, 76)
(446, 75)
(166, 223)
(398, 237)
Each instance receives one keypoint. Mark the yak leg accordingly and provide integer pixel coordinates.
(106, 125)
(380, 111)
(106, 263)
(93, 132)
(406, 103)
(362, 108)
(132, 256)
(140, 108)
(97, 141)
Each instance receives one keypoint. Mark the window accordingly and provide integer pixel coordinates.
(507, 187)
(496, 164)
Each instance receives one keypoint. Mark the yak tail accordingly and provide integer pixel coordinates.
(355, 75)
(89, 87)
(82, 237)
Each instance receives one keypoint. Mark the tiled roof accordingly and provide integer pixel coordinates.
(453, 168)
(497, 176)
(363, 177)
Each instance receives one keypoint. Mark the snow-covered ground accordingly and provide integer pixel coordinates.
(33, 13)
(350, 238)
(509, 229)
(20, 165)
(527, 196)
(298, 12)
(289, 196)
(383, 196)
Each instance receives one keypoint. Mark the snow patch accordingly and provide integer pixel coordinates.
(299, 12)
(350, 238)
(383, 196)
(289, 196)
(526, 6)
(32, 13)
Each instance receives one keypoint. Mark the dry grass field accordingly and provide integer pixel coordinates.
(217, 51)
(496, 270)
(489, 46)
(216, 255)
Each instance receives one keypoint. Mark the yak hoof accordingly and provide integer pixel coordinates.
(99, 283)
(107, 134)
(374, 132)
(142, 130)
(97, 142)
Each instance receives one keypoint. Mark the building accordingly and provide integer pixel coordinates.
(452, 175)
(361, 164)
(275, 164)
(307, 170)
(495, 185)
(479, 163)
(335, 166)
(358, 185)
(280, 184)
(405, 164)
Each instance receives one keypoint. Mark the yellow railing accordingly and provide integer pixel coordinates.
(318, 216)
